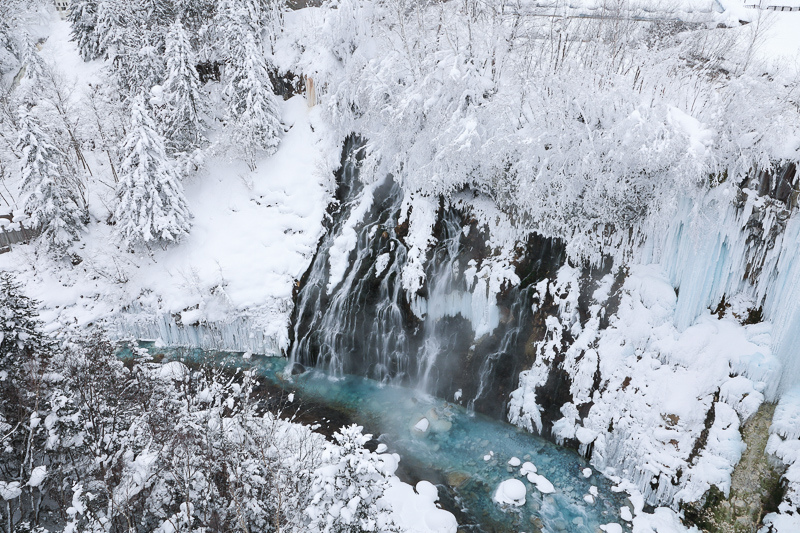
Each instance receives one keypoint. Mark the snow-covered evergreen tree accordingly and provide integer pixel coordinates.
(253, 109)
(157, 13)
(15, 17)
(83, 18)
(183, 101)
(234, 18)
(253, 115)
(111, 21)
(19, 335)
(9, 49)
(151, 207)
(196, 14)
(133, 42)
(51, 204)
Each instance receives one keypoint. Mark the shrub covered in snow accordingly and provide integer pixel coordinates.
(347, 493)
(577, 125)
(92, 443)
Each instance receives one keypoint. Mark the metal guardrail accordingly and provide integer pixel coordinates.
(772, 7)
(16, 236)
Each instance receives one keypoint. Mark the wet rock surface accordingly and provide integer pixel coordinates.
(755, 485)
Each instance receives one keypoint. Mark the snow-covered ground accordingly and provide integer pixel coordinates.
(253, 235)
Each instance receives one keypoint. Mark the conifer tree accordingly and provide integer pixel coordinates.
(83, 18)
(252, 107)
(157, 13)
(234, 19)
(111, 22)
(151, 207)
(14, 36)
(132, 43)
(196, 14)
(48, 200)
(183, 101)
(9, 54)
(19, 335)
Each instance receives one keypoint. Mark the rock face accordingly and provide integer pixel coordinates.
(464, 329)
(755, 485)
(611, 361)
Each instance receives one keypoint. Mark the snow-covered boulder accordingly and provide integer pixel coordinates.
(511, 492)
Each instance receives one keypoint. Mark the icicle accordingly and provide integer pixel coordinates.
(242, 334)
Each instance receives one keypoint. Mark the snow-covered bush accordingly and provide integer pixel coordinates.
(577, 126)
(92, 443)
(23, 357)
(347, 491)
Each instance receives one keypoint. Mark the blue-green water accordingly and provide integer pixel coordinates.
(453, 449)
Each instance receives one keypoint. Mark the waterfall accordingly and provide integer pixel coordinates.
(354, 316)
(331, 327)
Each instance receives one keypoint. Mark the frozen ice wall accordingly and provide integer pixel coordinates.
(239, 334)
(782, 305)
(737, 246)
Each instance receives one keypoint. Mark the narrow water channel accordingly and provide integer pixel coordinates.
(468, 453)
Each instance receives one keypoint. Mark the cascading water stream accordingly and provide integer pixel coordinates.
(521, 310)
(332, 329)
(353, 316)
(448, 298)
